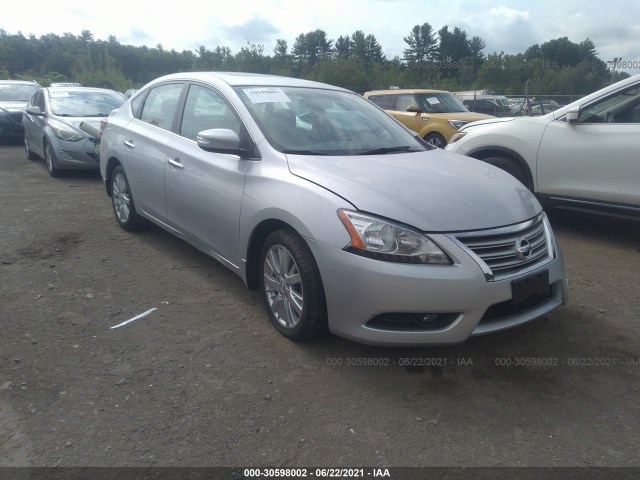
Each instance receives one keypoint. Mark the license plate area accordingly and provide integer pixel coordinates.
(524, 288)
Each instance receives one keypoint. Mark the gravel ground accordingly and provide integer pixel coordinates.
(205, 380)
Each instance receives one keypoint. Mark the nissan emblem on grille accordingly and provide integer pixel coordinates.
(523, 248)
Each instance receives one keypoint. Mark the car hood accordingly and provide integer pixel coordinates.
(433, 191)
(76, 121)
(464, 116)
(488, 121)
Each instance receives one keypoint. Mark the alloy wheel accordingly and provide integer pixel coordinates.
(283, 286)
(121, 197)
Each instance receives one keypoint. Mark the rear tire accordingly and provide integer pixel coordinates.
(291, 287)
(122, 201)
(27, 150)
(511, 167)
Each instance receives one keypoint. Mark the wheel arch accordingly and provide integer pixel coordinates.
(112, 163)
(487, 152)
(432, 129)
(256, 240)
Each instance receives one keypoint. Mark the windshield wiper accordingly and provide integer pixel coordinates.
(304, 152)
(383, 150)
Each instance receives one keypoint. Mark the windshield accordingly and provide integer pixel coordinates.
(76, 103)
(313, 121)
(440, 103)
(17, 93)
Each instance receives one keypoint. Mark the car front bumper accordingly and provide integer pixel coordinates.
(10, 128)
(359, 289)
(81, 155)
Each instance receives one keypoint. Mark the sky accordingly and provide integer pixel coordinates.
(505, 26)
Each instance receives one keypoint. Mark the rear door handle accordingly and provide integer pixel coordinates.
(175, 162)
(129, 144)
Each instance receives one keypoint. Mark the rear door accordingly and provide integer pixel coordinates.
(145, 141)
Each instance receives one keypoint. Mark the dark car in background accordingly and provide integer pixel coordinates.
(14, 96)
(52, 126)
(488, 106)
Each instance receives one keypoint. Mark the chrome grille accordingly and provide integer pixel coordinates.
(510, 250)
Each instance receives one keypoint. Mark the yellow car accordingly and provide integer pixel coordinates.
(434, 114)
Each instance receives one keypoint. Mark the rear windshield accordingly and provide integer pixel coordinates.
(17, 93)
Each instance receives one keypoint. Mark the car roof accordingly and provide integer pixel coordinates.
(235, 79)
(406, 90)
(78, 89)
(19, 82)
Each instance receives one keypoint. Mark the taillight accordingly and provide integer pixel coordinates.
(103, 125)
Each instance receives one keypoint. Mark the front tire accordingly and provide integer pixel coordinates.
(435, 140)
(291, 287)
(122, 201)
(511, 167)
(50, 159)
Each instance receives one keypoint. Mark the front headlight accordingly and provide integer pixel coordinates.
(64, 131)
(456, 136)
(376, 238)
(457, 124)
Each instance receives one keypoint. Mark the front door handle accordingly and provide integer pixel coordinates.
(129, 143)
(176, 163)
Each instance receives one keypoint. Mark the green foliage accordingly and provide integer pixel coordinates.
(447, 59)
(422, 46)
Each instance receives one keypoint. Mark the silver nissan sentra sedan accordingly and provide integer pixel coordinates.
(343, 218)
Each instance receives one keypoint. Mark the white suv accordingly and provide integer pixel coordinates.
(585, 155)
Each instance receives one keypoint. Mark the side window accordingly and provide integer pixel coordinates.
(386, 102)
(160, 105)
(405, 101)
(38, 100)
(205, 109)
(621, 107)
(34, 99)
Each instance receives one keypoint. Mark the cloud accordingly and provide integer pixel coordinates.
(255, 30)
(139, 36)
(503, 29)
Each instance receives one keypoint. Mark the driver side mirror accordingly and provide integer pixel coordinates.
(221, 140)
(414, 109)
(572, 115)
(34, 111)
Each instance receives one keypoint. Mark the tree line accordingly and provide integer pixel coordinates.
(446, 59)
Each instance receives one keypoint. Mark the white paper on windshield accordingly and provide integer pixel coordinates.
(433, 101)
(266, 95)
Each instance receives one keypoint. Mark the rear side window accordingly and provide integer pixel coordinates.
(386, 102)
(160, 105)
(404, 102)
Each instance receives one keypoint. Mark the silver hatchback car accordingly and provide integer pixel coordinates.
(343, 218)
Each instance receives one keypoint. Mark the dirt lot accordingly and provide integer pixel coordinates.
(206, 380)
